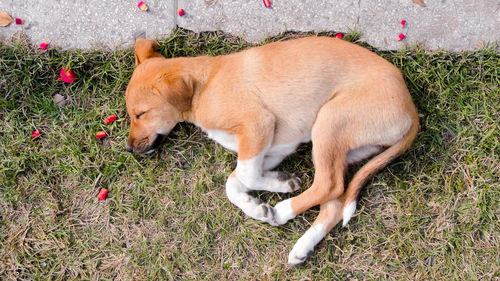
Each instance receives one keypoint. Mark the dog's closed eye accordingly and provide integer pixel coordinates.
(139, 115)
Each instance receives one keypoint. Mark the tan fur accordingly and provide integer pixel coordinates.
(340, 95)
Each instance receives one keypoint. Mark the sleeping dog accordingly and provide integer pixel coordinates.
(263, 102)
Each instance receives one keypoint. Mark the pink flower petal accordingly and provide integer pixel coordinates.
(401, 36)
(402, 23)
(110, 119)
(339, 35)
(142, 6)
(100, 134)
(180, 12)
(102, 194)
(44, 45)
(67, 76)
(19, 21)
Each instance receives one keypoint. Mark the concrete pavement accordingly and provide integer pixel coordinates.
(444, 24)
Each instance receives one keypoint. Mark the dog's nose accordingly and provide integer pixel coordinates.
(129, 148)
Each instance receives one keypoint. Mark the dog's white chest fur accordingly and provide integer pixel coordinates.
(229, 142)
(225, 139)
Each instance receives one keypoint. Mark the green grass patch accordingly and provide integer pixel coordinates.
(432, 214)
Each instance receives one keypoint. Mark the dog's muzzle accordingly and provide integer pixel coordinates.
(157, 141)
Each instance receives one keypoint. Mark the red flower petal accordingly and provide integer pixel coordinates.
(402, 23)
(67, 75)
(100, 134)
(35, 134)
(19, 21)
(267, 3)
(142, 6)
(102, 194)
(339, 35)
(401, 36)
(110, 119)
(180, 12)
(44, 45)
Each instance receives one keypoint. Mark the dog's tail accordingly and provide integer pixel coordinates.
(373, 166)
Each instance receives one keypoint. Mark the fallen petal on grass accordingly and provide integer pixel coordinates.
(67, 75)
(100, 134)
(102, 194)
(35, 134)
(110, 119)
(44, 45)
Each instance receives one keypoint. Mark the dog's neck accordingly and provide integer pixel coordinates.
(199, 69)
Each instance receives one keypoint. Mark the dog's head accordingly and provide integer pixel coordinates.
(157, 95)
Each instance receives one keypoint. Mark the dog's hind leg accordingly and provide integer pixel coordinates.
(251, 206)
(329, 215)
(330, 148)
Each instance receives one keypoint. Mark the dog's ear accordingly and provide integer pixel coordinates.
(144, 49)
(178, 90)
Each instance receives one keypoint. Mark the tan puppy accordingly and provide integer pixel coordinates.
(263, 102)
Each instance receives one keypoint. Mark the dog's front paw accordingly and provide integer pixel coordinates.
(283, 212)
(301, 250)
(266, 213)
(296, 258)
(305, 245)
(293, 182)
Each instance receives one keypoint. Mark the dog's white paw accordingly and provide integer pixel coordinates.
(299, 253)
(291, 182)
(265, 213)
(283, 212)
(305, 245)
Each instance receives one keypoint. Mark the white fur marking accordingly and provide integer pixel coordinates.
(348, 212)
(235, 193)
(277, 153)
(271, 161)
(252, 207)
(223, 138)
(250, 173)
(306, 244)
(283, 149)
(162, 131)
(284, 211)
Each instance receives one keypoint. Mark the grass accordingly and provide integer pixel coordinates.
(433, 214)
